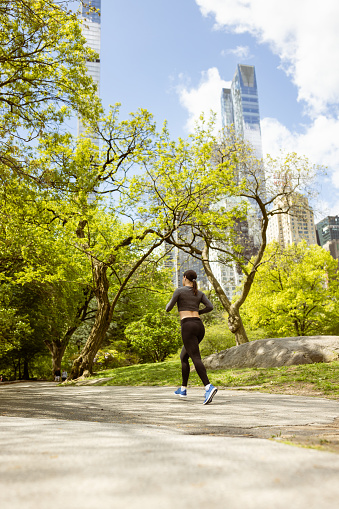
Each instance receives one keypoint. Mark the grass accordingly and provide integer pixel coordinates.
(321, 379)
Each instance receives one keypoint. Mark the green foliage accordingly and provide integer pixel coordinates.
(112, 358)
(217, 338)
(20, 329)
(43, 76)
(155, 336)
(295, 292)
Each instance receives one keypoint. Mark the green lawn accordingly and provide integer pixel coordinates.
(317, 379)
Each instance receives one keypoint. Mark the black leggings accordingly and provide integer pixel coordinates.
(192, 332)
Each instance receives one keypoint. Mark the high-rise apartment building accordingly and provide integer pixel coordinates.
(91, 30)
(328, 235)
(294, 226)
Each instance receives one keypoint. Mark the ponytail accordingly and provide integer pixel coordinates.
(191, 275)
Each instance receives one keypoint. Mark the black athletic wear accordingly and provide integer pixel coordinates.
(186, 300)
(192, 333)
(192, 330)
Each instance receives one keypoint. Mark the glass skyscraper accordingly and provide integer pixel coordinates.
(91, 30)
(240, 107)
(328, 235)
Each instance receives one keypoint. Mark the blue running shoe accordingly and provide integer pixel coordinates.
(182, 394)
(210, 394)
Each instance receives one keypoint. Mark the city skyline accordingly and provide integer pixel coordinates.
(174, 58)
(245, 76)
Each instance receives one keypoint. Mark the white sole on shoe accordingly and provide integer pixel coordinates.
(211, 396)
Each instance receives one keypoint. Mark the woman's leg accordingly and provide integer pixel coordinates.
(185, 366)
(192, 331)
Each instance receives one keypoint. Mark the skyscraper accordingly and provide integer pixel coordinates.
(328, 235)
(91, 30)
(240, 107)
(180, 261)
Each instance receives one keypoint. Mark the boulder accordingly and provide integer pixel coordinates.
(269, 353)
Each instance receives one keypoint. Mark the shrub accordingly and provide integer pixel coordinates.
(155, 336)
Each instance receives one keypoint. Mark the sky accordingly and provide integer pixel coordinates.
(173, 57)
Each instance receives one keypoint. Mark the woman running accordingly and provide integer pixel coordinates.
(188, 298)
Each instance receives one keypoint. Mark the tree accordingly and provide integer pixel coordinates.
(272, 187)
(295, 292)
(124, 255)
(21, 327)
(37, 255)
(43, 78)
(15, 332)
(223, 179)
(116, 251)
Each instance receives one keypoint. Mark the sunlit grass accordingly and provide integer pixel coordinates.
(321, 377)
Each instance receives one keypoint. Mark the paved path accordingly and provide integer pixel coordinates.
(140, 447)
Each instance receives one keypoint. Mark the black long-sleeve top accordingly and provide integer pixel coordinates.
(186, 300)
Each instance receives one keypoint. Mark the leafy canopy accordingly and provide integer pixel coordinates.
(43, 76)
(295, 292)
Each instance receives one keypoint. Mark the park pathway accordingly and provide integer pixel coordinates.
(140, 447)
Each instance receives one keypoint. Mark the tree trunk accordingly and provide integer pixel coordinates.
(57, 349)
(83, 364)
(58, 346)
(15, 367)
(26, 373)
(235, 324)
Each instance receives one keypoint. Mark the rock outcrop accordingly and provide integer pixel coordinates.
(268, 353)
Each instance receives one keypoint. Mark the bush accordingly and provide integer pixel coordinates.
(110, 358)
(217, 338)
(155, 336)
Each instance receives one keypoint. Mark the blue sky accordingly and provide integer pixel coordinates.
(173, 57)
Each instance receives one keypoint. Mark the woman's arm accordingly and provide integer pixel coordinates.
(173, 300)
(208, 305)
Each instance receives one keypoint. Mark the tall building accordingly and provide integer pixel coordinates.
(294, 226)
(179, 262)
(240, 107)
(91, 30)
(328, 235)
(227, 271)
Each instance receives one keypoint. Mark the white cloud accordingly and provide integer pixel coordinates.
(303, 33)
(203, 99)
(322, 208)
(318, 142)
(305, 36)
(240, 52)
